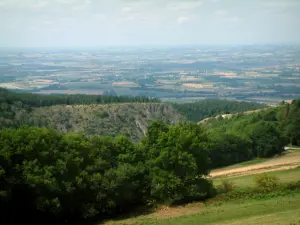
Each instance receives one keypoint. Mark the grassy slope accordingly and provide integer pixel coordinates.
(278, 210)
(288, 160)
(247, 181)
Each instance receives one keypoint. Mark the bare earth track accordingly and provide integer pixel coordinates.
(290, 160)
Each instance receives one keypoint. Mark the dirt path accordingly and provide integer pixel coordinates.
(289, 161)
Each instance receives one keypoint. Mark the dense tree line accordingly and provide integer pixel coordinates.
(199, 110)
(37, 100)
(262, 134)
(291, 121)
(63, 177)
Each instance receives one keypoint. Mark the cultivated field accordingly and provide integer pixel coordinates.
(125, 84)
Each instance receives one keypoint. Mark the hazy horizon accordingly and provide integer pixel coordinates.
(138, 23)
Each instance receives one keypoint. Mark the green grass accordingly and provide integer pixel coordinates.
(279, 210)
(285, 176)
(295, 151)
(281, 207)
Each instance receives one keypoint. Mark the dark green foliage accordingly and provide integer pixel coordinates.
(227, 149)
(266, 139)
(70, 176)
(46, 174)
(291, 122)
(36, 100)
(178, 162)
(244, 137)
(197, 111)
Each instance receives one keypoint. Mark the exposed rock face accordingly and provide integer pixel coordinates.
(130, 119)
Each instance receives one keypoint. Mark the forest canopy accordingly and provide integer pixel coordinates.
(199, 110)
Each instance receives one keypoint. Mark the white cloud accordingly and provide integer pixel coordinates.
(132, 17)
(183, 19)
(65, 1)
(82, 6)
(67, 19)
(281, 3)
(126, 9)
(154, 21)
(233, 19)
(184, 5)
(33, 28)
(40, 5)
(225, 16)
(221, 12)
(47, 22)
(281, 7)
(99, 16)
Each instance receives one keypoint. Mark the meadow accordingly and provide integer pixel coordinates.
(284, 210)
(281, 207)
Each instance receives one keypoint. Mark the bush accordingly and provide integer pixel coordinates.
(266, 183)
(293, 185)
(226, 186)
(103, 114)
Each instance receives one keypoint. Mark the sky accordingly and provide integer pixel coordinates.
(91, 23)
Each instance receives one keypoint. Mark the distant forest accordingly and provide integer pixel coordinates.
(38, 100)
(199, 110)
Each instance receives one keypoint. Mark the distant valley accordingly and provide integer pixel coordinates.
(267, 74)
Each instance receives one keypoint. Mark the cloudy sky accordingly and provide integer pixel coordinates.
(84, 23)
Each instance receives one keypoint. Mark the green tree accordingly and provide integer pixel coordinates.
(178, 162)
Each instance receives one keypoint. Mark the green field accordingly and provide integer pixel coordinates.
(283, 209)
(280, 210)
(284, 176)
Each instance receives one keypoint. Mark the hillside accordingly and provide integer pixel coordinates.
(258, 209)
(286, 161)
(130, 119)
(245, 136)
(199, 110)
(89, 114)
(230, 115)
(56, 175)
(104, 115)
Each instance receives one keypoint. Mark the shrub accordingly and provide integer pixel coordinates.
(266, 183)
(293, 185)
(103, 114)
(226, 186)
